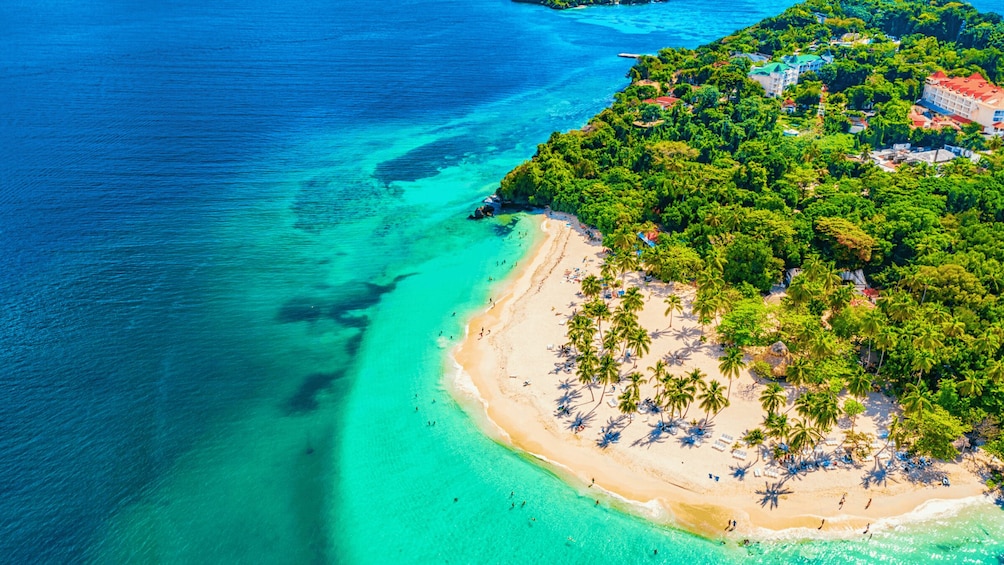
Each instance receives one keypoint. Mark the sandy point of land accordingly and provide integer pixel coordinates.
(512, 378)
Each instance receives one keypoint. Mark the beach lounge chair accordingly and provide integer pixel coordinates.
(612, 403)
(728, 438)
(831, 441)
(757, 472)
(739, 454)
(720, 445)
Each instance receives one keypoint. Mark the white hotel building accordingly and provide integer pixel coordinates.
(967, 99)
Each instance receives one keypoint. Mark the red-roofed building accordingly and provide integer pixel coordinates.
(966, 99)
(666, 102)
(788, 106)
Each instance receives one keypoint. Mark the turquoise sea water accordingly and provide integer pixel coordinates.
(232, 246)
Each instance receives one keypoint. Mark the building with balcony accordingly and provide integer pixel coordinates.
(966, 99)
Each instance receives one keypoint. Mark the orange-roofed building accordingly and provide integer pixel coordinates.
(665, 101)
(966, 99)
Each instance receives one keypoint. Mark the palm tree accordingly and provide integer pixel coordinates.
(822, 345)
(923, 361)
(829, 278)
(608, 273)
(666, 396)
(591, 287)
(953, 328)
(633, 300)
(927, 340)
(995, 371)
(803, 404)
(638, 342)
(772, 398)
(971, 386)
(628, 402)
(799, 291)
(797, 373)
(777, 426)
(825, 410)
(597, 309)
(693, 382)
(623, 240)
(708, 280)
(581, 331)
(625, 262)
(611, 341)
(704, 309)
(624, 324)
(915, 401)
(898, 305)
(803, 435)
(731, 365)
(607, 373)
(885, 340)
(684, 391)
(658, 371)
(870, 326)
(585, 368)
(712, 400)
(987, 344)
(653, 259)
(755, 438)
(841, 297)
(673, 304)
(859, 383)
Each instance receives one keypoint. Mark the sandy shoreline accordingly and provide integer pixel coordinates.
(664, 479)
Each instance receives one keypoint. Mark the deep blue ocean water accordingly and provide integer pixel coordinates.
(230, 235)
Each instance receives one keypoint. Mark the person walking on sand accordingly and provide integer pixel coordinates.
(869, 504)
(821, 524)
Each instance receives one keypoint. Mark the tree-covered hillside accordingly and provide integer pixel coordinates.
(739, 200)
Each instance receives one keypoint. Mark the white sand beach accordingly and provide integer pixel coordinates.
(513, 381)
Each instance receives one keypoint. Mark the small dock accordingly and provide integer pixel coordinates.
(630, 55)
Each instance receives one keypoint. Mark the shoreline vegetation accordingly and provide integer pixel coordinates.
(792, 320)
(569, 4)
(659, 475)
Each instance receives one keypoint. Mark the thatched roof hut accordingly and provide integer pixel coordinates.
(777, 356)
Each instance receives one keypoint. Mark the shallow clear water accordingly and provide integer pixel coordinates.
(232, 235)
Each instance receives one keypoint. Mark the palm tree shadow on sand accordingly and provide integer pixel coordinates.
(878, 476)
(771, 494)
(739, 471)
(611, 432)
(580, 421)
(657, 434)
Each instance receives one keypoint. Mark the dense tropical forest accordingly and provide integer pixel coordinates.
(740, 202)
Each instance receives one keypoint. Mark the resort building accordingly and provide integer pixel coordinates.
(775, 77)
(804, 63)
(966, 99)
